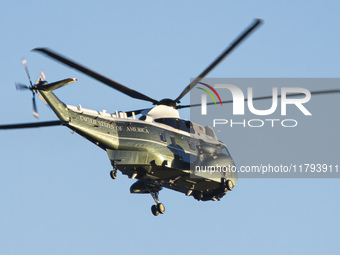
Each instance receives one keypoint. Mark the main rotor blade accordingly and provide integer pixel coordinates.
(266, 97)
(113, 84)
(32, 125)
(218, 59)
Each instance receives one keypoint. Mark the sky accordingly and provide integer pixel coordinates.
(56, 195)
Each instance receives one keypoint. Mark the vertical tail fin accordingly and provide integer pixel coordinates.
(59, 108)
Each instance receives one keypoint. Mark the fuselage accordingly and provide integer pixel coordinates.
(159, 149)
(172, 139)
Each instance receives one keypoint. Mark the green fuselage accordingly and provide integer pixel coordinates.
(152, 152)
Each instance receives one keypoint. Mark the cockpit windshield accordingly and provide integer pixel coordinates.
(210, 132)
(225, 151)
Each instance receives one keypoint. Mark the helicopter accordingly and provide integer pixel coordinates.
(158, 149)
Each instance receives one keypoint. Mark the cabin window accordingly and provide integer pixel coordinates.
(183, 125)
(192, 146)
(173, 141)
(162, 136)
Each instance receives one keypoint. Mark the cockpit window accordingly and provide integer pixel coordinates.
(210, 132)
(225, 151)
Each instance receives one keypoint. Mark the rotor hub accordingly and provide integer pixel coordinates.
(167, 102)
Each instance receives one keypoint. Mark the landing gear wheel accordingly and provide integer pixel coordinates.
(160, 208)
(154, 210)
(113, 174)
(230, 185)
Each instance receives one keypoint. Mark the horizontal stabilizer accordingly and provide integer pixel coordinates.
(55, 85)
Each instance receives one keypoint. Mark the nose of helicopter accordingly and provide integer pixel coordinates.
(227, 166)
(218, 166)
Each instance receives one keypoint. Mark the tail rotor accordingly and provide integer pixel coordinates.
(32, 87)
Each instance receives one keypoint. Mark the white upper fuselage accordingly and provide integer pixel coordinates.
(151, 116)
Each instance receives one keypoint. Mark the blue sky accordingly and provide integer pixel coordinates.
(55, 191)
